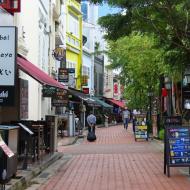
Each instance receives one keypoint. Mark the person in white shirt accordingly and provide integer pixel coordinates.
(126, 117)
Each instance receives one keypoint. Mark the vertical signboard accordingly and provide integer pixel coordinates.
(7, 64)
(177, 144)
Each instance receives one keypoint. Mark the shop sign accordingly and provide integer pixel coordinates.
(63, 75)
(48, 91)
(61, 98)
(7, 55)
(7, 95)
(11, 6)
(5, 148)
(71, 77)
(59, 53)
(176, 147)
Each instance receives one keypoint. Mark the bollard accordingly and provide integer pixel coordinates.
(71, 124)
(106, 121)
(4, 176)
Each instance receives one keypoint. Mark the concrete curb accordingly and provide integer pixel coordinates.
(27, 175)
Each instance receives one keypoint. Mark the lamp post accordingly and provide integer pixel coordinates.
(168, 86)
(150, 94)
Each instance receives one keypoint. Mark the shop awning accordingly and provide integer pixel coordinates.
(102, 103)
(37, 73)
(117, 102)
(85, 97)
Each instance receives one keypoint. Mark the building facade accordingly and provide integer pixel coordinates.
(74, 39)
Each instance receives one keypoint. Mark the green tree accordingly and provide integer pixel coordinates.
(141, 63)
(167, 19)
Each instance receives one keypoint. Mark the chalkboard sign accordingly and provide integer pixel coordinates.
(141, 129)
(177, 147)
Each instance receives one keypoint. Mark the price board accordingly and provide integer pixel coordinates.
(177, 145)
(141, 129)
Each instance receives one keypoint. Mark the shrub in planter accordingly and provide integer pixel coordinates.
(161, 134)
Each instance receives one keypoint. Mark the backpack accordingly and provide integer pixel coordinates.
(91, 136)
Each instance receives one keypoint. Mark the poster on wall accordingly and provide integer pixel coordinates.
(23, 99)
(7, 55)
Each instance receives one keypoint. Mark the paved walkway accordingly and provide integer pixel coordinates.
(115, 162)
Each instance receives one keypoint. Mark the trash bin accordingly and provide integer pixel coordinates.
(8, 151)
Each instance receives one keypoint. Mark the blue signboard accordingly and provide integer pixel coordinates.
(177, 147)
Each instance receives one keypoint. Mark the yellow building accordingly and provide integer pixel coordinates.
(74, 38)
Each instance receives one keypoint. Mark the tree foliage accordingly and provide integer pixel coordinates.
(168, 20)
(141, 63)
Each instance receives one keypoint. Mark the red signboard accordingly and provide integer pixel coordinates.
(11, 6)
(86, 90)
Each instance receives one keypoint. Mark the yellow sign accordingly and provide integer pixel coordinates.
(141, 127)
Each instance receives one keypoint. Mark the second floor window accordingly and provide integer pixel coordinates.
(73, 24)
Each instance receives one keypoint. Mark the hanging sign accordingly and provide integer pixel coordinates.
(7, 55)
(61, 98)
(59, 54)
(11, 6)
(49, 91)
(63, 75)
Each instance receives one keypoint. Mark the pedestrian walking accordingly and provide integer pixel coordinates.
(126, 117)
(91, 120)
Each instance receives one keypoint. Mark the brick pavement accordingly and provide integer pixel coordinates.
(115, 162)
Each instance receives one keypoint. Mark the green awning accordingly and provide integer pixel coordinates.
(102, 103)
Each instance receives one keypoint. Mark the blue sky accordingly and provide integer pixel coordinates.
(105, 9)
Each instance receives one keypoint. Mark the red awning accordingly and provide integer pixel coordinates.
(117, 102)
(37, 73)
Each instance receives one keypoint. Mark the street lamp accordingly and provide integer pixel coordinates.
(150, 94)
(168, 86)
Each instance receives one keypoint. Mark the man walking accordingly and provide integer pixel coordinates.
(126, 117)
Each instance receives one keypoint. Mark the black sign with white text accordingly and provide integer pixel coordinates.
(7, 95)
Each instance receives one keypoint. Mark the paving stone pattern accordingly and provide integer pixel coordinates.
(115, 162)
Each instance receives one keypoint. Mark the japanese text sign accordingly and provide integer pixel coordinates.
(7, 55)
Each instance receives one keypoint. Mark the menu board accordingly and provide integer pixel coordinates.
(141, 132)
(177, 146)
(141, 129)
